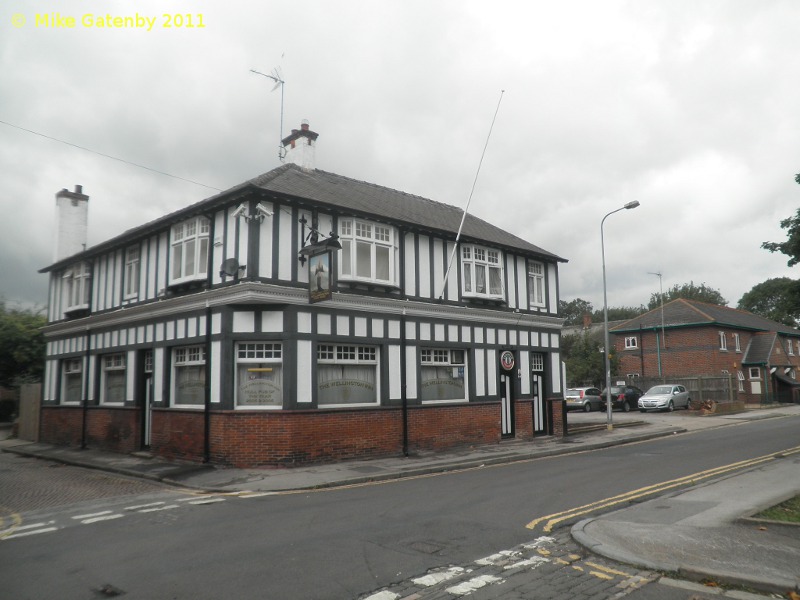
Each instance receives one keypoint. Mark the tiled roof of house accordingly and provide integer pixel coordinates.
(759, 349)
(686, 313)
(345, 195)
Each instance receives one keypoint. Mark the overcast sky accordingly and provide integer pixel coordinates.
(690, 107)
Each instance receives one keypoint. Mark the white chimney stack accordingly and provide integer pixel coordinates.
(300, 147)
(72, 211)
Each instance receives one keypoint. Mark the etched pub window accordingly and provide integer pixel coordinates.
(347, 375)
(442, 375)
(259, 373)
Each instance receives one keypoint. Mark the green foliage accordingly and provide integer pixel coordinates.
(791, 247)
(688, 291)
(776, 299)
(584, 360)
(574, 310)
(619, 313)
(22, 345)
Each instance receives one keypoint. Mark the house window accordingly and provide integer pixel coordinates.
(737, 342)
(798, 346)
(536, 284)
(132, 272)
(78, 286)
(189, 250)
(755, 373)
(71, 381)
(189, 376)
(631, 342)
(148, 361)
(259, 375)
(368, 252)
(632, 375)
(347, 375)
(442, 375)
(723, 341)
(789, 345)
(740, 377)
(112, 379)
(537, 362)
(483, 272)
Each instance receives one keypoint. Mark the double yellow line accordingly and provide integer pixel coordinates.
(551, 521)
(9, 522)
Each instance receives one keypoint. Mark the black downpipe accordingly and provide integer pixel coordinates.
(207, 398)
(88, 357)
(403, 390)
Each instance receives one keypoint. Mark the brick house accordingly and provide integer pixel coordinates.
(696, 338)
(300, 316)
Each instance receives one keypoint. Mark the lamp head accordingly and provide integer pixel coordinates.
(631, 204)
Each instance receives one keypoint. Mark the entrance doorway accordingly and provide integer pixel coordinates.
(506, 407)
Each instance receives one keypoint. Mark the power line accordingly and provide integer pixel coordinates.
(122, 160)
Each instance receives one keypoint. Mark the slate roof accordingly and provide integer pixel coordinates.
(687, 313)
(340, 194)
(759, 349)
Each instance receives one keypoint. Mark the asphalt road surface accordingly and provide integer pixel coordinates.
(343, 543)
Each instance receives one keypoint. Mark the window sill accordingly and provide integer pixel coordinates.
(370, 286)
(77, 312)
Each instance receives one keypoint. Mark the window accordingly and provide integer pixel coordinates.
(537, 362)
(632, 375)
(740, 377)
(798, 346)
(189, 250)
(442, 375)
(148, 361)
(368, 251)
(259, 375)
(755, 373)
(483, 272)
(631, 342)
(789, 345)
(132, 272)
(737, 342)
(189, 376)
(78, 288)
(536, 284)
(346, 375)
(112, 379)
(71, 381)
(723, 341)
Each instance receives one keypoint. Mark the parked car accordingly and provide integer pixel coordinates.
(665, 397)
(583, 398)
(625, 397)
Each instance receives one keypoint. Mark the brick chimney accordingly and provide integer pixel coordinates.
(300, 147)
(72, 211)
(587, 321)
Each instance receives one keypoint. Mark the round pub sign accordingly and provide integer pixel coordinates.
(507, 360)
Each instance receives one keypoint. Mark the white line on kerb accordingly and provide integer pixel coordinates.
(141, 506)
(103, 518)
(167, 507)
(89, 516)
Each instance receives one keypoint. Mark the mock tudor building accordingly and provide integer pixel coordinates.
(300, 316)
(697, 338)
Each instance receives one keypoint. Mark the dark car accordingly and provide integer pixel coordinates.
(625, 397)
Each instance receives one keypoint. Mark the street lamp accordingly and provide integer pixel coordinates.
(628, 206)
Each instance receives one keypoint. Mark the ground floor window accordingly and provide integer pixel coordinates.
(71, 381)
(346, 375)
(259, 375)
(442, 375)
(189, 376)
(112, 379)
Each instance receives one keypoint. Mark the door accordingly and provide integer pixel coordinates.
(539, 408)
(506, 407)
(148, 411)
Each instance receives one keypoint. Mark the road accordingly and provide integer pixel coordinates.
(346, 543)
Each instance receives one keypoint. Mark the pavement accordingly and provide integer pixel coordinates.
(703, 532)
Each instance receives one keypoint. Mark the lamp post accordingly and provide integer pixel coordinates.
(628, 206)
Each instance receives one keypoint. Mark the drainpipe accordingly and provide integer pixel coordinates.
(207, 396)
(403, 390)
(85, 407)
(658, 347)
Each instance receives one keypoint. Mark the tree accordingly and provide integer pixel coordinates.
(619, 313)
(776, 299)
(22, 345)
(688, 291)
(791, 247)
(574, 310)
(585, 360)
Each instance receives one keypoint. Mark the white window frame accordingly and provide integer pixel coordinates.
(723, 341)
(791, 349)
(537, 362)
(350, 355)
(536, 273)
(740, 377)
(379, 240)
(798, 346)
(479, 259)
(71, 368)
(132, 271)
(737, 342)
(189, 357)
(446, 358)
(189, 244)
(631, 342)
(262, 360)
(112, 363)
(755, 370)
(78, 286)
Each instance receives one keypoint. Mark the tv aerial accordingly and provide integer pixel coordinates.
(277, 77)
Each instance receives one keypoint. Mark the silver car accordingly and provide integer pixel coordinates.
(586, 399)
(665, 397)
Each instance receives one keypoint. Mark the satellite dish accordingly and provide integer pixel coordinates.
(230, 267)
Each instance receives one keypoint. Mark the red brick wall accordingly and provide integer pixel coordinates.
(557, 406)
(114, 429)
(178, 434)
(440, 427)
(523, 419)
(61, 425)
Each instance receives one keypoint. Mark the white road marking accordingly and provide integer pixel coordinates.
(103, 518)
(167, 507)
(495, 558)
(383, 595)
(141, 506)
(207, 501)
(476, 583)
(32, 532)
(432, 579)
(91, 515)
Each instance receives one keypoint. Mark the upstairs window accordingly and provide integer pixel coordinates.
(132, 270)
(737, 342)
(483, 273)
(536, 284)
(791, 349)
(189, 250)
(368, 252)
(723, 341)
(631, 342)
(78, 286)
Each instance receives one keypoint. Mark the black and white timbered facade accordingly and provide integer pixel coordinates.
(300, 316)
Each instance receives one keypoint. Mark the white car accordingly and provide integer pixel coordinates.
(665, 397)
